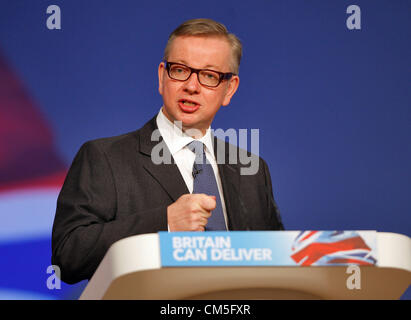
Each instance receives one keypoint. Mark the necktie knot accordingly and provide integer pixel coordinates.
(197, 147)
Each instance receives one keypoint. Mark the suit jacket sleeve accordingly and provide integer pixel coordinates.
(85, 224)
(273, 210)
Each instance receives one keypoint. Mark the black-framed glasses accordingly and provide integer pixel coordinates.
(206, 77)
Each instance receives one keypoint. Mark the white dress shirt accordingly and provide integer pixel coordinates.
(177, 141)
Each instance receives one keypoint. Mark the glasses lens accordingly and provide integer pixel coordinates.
(209, 78)
(179, 72)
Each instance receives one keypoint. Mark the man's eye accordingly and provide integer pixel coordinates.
(179, 70)
(210, 76)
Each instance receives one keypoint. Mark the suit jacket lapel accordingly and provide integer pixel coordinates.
(167, 175)
(230, 180)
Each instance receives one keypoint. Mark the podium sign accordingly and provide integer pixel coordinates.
(268, 248)
(255, 265)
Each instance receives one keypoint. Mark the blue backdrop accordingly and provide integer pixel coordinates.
(333, 107)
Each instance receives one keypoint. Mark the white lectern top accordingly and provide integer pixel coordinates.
(132, 269)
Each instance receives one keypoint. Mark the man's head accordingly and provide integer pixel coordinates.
(208, 28)
(199, 44)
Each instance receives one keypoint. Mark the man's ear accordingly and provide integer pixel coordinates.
(232, 88)
(160, 77)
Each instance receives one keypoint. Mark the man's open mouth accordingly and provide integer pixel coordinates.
(188, 105)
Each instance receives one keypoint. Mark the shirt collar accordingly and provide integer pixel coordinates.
(176, 139)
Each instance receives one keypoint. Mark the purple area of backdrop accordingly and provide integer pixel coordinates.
(333, 105)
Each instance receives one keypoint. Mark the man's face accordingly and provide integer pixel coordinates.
(178, 96)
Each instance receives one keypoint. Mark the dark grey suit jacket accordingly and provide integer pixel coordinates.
(113, 190)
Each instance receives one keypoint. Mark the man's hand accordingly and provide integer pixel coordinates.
(190, 212)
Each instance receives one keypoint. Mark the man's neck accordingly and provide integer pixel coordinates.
(195, 133)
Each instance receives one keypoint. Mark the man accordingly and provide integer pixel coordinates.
(116, 189)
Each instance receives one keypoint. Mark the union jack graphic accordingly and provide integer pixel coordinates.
(315, 248)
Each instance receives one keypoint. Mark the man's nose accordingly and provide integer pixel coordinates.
(191, 84)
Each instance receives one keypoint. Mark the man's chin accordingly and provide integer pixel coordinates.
(193, 130)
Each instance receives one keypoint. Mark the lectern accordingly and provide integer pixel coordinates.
(255, 265)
